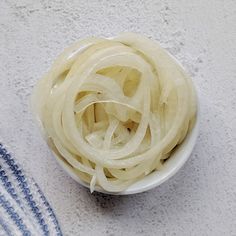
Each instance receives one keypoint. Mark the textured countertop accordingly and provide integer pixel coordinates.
(201, 198)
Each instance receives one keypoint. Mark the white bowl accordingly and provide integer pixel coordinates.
(171, 166)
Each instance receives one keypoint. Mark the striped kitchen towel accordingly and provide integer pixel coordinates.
(24, 210)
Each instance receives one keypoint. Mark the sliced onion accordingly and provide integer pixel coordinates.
(114, 109)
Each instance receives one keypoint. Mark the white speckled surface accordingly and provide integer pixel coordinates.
(201, 198)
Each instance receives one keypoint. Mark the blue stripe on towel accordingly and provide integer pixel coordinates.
(17, 172)
(8, 186)
(14, 216)
(50, 211)
(34, 206)
(5, 227)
